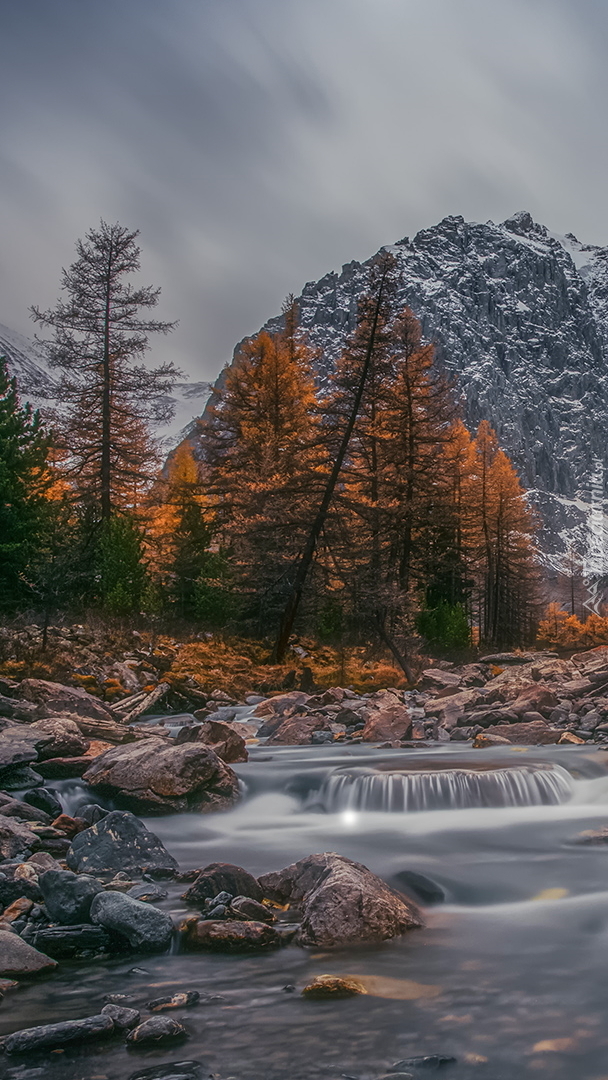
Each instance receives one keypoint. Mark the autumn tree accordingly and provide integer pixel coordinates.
(107, 400)
(263, 456)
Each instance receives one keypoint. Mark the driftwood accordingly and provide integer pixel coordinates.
(146, 702)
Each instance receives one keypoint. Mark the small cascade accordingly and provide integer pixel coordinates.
(458, 789)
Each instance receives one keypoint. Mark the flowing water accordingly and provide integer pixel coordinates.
(510, 975)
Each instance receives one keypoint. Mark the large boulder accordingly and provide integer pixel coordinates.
(58, 737)
(119, 842)
(55, 699)
(67, 896)
(534, 698)
(342, 902)
(144, 926)
(390, 724)
(298, 730)
(222, 738)
(536, 733)
(19, 958)
(449, 710)
(222, 877)
(153, 776)
(50, 1036)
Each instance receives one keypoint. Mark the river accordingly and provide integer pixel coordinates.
(509, 977)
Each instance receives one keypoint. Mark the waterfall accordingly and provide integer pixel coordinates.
(369, 789)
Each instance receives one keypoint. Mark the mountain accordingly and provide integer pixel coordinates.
(38, 384)
(519, 316)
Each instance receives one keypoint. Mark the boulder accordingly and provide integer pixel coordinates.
(484, 740)
(19, 958)
(222, 877)
(592, 659)
(229, 935)
(55, 699)
(123, 1019)
(435, 679)
(145, 927)
(538, 733)
(10, 807)
(246, 908)
(281, 704)
(569, 738)
(534, 698)
(342, 902)
(297, 730)
(119, 842)
(222, 738)
(155, 776)
(45, 800)
(448, 710)
(155, 1030)
(174, 1001)
(67, 896)
(51, 1036)
(332, 986)
(65, 942)
(389, 724)
(14, 837)
(59, 737)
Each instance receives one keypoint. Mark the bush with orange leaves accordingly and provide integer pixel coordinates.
(560, 628)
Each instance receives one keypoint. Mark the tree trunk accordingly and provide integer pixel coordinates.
(106, 406)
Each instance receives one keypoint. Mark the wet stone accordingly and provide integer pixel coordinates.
(176, 1001)
(148, 894)
(176, 1070)
(124, 1019)
(332, 986)
(67, 896)
(64, 941)
(424, 1063)
(144, 926)
(45, 800)
(50, 1036)
(156, 1029)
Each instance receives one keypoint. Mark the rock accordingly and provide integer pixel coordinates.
(13, 890)
(21, 906)
(10, 807)
(490, 717)
(68, 825)
(51, 1036)
(449, 710)
(54, 699)
(19, 958)
(15, 749)
(592, 659)
(144, 927)
(17, 777)
(222, 877)
(148, 893)
(108, 731)
(45, 800)
(63, 768)
(537, 733)
(67, 896)
(14, 837)
(152, 776)
(123, 1019)
(342, 902)
(156, 1029)
(428, 1063)
(568, 737)
(332, 986)
(280, 705)
(435, 679)
(392, 723)
(222, 738)
(176, 1001)
(298, 730)
(62, 942)
(59, 737)
(247, 908)
(485, 739)
(229, 935)
(177, 1070)
(120, 842)
(535, 698)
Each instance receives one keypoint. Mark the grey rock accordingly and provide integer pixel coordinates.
(428, 1063)
(155, 1030)
(175, 1001)
(67, 896)
(144, 926)
(120, 842)
(55, 699)
(176, 1070)
(149, 893)
(222, 877)
(15, 837)
(62, 942)
(50, 1036)
(123, 1019)
(19, 958)
(45, 800)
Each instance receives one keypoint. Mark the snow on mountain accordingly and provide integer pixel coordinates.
(519, 316)
(37, 384)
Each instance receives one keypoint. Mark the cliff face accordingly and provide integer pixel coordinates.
(520, 317)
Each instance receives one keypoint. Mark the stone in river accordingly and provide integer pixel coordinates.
(537, 733)
(54, 699)
(247, 908)
(19, 958)
(176, 1070)
(229, 935)
(51, 1036)
(341, 901)
(67, 896)
(124, 1019)
(120, 842)
(14, 837)
(428, 1063)
(61, 942)
(144, 926)
(333, 986)
(153, 776)
(148, 893)
(392, 723)
(176, 1001)
(222, 738)
(43, 799)
(155, 1030)
(222, 877)
(569, 737)
(485, 739)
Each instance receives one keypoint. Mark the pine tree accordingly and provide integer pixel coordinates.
(107, 398)
(23, 482)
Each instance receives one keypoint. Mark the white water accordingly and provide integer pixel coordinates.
(458, 789)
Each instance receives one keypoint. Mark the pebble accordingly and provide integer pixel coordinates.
(176, 1001)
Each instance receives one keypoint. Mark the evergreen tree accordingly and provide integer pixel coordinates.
(122, 570)
(23, 481)
(107, 398)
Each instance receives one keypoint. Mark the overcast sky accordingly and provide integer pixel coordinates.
(258, 144)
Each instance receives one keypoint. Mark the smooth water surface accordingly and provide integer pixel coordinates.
(509, 976)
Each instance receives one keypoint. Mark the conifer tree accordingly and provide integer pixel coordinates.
(107, 397)
(23, 482)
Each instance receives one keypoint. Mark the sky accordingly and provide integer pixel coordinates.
(259, 144)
